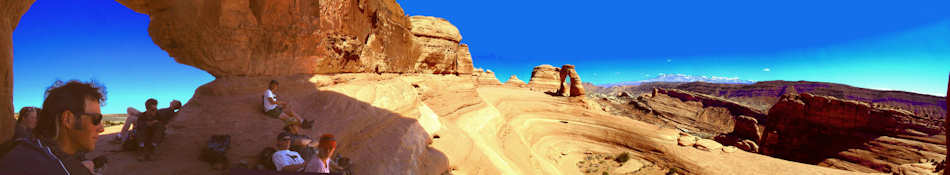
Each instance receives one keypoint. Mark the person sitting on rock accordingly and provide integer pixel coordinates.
(146, 130)
(284, 159)
(280, 109)
(321, 164)
(301, 143)
(164, 116)
(132, 116)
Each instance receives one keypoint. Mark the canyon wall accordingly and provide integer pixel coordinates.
(276, 38)
(10, 13)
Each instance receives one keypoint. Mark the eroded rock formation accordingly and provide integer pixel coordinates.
(10, 13)
(514, 81)
(545, 78)
(700, 114)
(257, 37)
(485, 77)
(849, 134)
(576, 87)
(440, 51)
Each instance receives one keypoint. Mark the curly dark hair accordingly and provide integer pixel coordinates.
(66, 96)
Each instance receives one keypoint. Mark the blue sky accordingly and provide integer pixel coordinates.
(896, 45)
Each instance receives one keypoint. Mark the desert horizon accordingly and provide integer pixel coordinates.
(534, 87)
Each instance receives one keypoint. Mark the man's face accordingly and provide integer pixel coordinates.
(284, 143)
(326, 153)
(151, 107)
(273, 87)
(87, 136)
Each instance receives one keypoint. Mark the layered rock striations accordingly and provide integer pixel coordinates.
(10, 13)
(545, 78)
(265, 38)
(702, 115)
(576, 87)
(440, 51)
(849, 134)
(514, 81)
(485, 77)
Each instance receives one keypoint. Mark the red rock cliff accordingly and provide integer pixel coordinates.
(848, 134)
(10, 13)
(259, 37)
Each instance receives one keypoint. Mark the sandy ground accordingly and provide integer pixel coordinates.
(430, 124)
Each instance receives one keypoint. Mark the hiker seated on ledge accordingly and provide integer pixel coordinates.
(300, 143)
(148, 129)
(281, 109)
(69, 123)
(284, 159)
(165, 115)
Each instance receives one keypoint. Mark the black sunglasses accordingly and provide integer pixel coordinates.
(96, 118)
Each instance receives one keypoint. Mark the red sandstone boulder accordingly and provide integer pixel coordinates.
(748, 146)
(747, 127)
(687, 140)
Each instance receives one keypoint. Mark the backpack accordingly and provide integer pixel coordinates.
(216, 149)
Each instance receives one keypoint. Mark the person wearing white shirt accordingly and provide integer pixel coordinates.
(284, 159)
(280, 109)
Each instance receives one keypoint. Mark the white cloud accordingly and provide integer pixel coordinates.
(767, 70)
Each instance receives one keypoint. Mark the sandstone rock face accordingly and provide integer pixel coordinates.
(849, 134)
(708, 145)
(485, 77)
(266, 38)
(748, 146)
(576, 87)
(465, 65)
(10, 13)
(700, 114)
(687, 140)
(514, 81)
(440, 51)
(545, 78)
(748, 127)
(729, 149)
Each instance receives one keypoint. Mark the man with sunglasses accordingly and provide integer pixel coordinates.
(68, 124)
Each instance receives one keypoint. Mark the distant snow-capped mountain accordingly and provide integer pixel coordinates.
(685, 78)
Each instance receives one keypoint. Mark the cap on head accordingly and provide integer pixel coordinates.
(327, 141)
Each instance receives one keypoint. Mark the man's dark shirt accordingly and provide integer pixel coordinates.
(29, 157)
(166, 115)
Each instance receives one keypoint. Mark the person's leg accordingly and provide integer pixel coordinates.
(133, 115)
